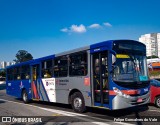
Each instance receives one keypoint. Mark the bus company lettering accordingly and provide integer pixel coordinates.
(62, 81)
(97, 49)
(9, 84)
(23, 119)
(49, 82)
(146, 90)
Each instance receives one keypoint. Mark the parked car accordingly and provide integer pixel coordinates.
(2, 80)
(155, 92)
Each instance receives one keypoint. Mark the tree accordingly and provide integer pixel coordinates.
(22, 56)
(2, 73)
(152, 57)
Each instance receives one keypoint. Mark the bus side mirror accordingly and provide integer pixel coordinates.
(113, 59)
(113, 63)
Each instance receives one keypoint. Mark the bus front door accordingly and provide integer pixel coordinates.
(35, 83)
(100, 78)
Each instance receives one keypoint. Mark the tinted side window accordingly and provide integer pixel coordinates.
(10, 74)
(17, 73)
(78, 64)
(47, 69)
(61, 66)
(25, 72)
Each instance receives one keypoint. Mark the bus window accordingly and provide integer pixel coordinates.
(34, 74)
(25, 72)
(46, 69)
(10, 74)
(61, 66)
(78, 64)
(16, 73)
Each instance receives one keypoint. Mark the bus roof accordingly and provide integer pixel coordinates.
(108, 44)
(73, 51)
(34, 61)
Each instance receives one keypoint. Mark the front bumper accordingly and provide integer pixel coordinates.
(120, 102)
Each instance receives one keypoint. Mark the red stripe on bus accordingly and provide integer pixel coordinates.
(128, 92)
(105, 91)
(111, 92)
(97, 90)
(35, 90)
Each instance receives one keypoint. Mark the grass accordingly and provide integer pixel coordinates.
(154, 74)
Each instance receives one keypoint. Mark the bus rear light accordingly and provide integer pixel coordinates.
(97, 91)
(87, 81)
(140, 100)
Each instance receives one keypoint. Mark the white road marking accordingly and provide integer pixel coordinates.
(154, 110)
(65, 113)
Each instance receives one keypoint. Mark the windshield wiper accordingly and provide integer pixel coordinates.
(135, 72)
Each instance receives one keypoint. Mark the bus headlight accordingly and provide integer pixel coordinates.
(120, 93)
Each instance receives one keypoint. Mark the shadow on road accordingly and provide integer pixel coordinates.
(49, 104)
(119, 113)
(130, 113)
(93, 111)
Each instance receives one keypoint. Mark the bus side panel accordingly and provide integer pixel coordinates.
(26, 84)
(14, 88)
(47, 92)
(8, 88)
(66, 84)
(44, 89)
(62, 96)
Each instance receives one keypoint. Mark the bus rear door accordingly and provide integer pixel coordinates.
(100, 78)
(34, 78)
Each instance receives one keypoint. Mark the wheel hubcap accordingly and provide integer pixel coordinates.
(24, 96)
(158, 102)
(77, 103)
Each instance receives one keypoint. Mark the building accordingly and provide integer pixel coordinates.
(8, 63)
(13, 63)
(4, 64)
(152, 42)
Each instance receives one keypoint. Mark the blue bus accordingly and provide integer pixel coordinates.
(111, 74)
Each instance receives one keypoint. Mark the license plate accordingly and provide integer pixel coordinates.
(139, 100)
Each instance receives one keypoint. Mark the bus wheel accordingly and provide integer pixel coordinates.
(77, 102)
(157, 101)
(25, 96)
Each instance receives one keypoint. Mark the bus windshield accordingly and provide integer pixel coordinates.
(130, 68)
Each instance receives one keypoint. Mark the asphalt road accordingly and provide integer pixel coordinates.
(53, 113)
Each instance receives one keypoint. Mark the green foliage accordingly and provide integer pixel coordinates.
(2, 73)
(22, 56)
(154, 73)
(152, 57)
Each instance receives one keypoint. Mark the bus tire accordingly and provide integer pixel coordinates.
(77, 102)
(25, 96)
(157, 101)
